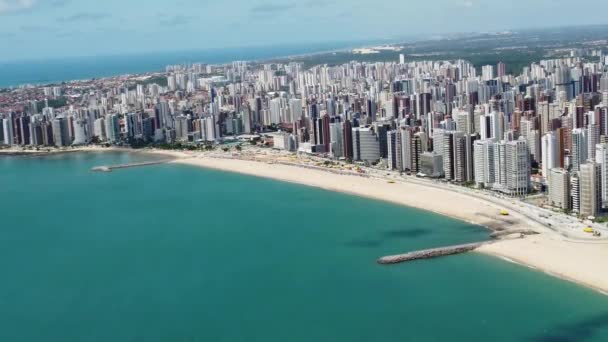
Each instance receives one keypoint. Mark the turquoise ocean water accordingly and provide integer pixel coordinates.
(177, 253)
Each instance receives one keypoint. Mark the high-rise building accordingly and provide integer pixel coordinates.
(579, 148)
(405, 139)
(448, 153)
(366, 145)
(418, 147)
(23, 123)
(81, 134)
(347, 139)
(487, 72)
(392, 150)
(534, 146)
(181, 128)
(501, 69)
(517, 167)
(99, 129)
(112, 128)
(559, 188)
(464, 122)
(484, 163)
(590, 196)
(61, 135)
(550, 155)
(7, 124)
(593, 138)
(36, 137)
(601, 158)
(336, 140)
(464, 168)
(326, 134)
(131, 125)
(490, 126)
(431, 165)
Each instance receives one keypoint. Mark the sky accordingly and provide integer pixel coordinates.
(44, 29)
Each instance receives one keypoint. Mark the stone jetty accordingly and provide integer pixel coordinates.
(430, 253)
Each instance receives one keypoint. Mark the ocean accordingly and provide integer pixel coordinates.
(56, 70)
(178, 253)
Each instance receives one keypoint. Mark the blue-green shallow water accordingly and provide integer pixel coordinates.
(176, 253)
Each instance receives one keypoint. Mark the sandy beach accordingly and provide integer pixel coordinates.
(548, 252)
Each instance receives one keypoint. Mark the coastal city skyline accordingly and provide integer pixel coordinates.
(338, 170)
(442, 119)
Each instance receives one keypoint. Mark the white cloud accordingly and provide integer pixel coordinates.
(10, 6)
(467, 4)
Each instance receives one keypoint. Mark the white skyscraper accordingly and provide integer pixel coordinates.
(487, 72)
(8, 131)
(464, 120)
(579, 148)
(81, 136)
(517, 167)
(601, 158)
(484, 162)
(295, 107)
(99, 129)
(276, 106)
(593, 138)
(550, 153)
(490, 126)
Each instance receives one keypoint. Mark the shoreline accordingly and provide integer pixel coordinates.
(486, 215)
(548, 252)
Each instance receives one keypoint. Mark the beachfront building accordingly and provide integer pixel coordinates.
(336, 137)
(579, 148)
(484, 163)
(517, 167)
(284, 141)
(7, 125)
(99, 129)
(392, 150)
(112, 128)
(81, 132)
(559, 188)
(366, 145)
(601, 158)
(182, 124)
(549, 153)
(589, 185)
(61, 135)
(417, 147)
(431, 165)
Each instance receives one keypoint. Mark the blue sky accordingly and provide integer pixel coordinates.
(40, 29)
